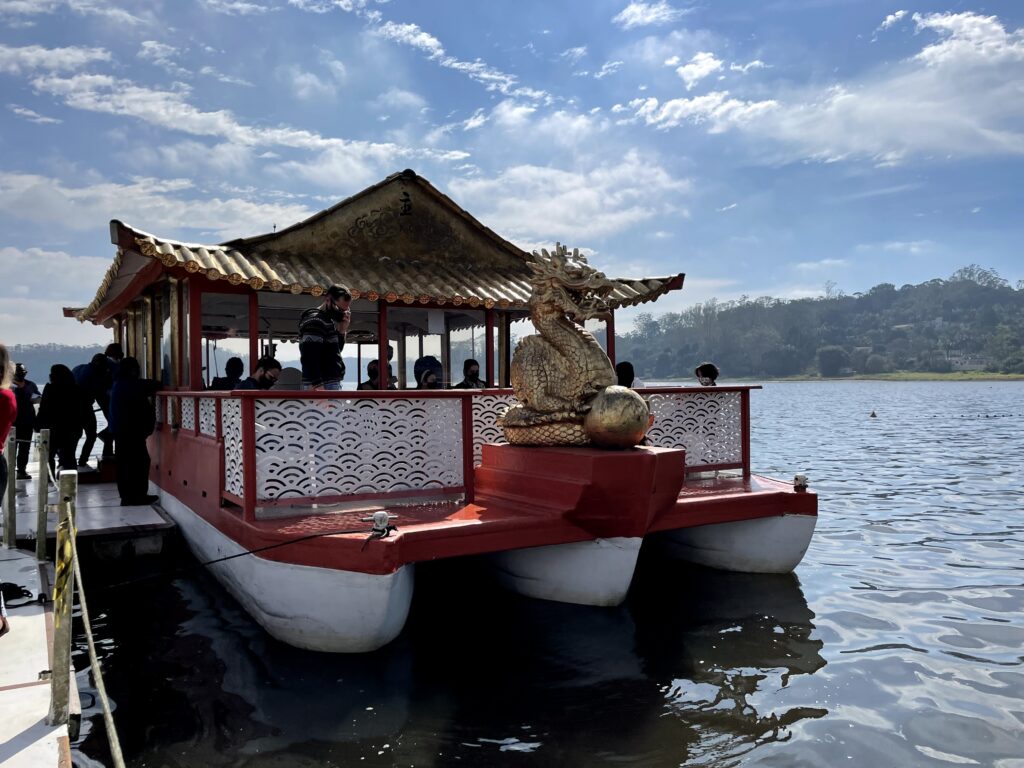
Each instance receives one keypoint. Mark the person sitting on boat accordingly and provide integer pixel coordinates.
(707, 374)
(132, 420)
(233, 370)
(428, 380)
(322, 332)
(264, 377)
(373, 377)
(470, 376)
(427, 362)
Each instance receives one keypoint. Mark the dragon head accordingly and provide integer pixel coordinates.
(565, 282)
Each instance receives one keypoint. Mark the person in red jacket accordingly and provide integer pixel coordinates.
(8, 413)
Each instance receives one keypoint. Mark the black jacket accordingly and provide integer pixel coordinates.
(320, 347)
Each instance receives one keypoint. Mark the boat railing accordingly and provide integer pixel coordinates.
(300, 448)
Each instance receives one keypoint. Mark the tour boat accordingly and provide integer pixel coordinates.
(315, 506)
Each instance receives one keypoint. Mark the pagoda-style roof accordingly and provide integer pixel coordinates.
(400, 239)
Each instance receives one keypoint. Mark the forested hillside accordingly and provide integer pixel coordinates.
(972, 321)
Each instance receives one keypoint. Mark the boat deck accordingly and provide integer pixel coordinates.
(339, 536)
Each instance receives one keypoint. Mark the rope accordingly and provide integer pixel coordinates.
(177, 571)
(97, 672)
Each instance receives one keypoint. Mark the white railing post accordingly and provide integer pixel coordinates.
(10, 519)
(42, 492)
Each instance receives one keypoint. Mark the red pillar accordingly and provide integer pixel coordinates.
(489, 341)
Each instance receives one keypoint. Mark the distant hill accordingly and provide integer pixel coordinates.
(40, 357)
(972, 321)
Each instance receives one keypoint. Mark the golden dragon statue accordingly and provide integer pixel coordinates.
(563, 379)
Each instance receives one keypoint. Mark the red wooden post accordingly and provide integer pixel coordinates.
(195, 336)
(745, 419)
(254, 330)
(467, 446)
(249, 459)
(383, 382)
(489, 341)
(609, 333)
(195, 416)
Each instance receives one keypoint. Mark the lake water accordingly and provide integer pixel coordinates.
(898, 642)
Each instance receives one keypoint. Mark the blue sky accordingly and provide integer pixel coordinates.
(764, 147)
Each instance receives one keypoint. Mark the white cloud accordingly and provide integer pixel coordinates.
(478, 119)
(744, 68)
(235, 7)
(15, 8)
(700, 66)
(728, 207)
(32, 116)
(398, 98)
(913, 247)
(162, 55)
(192, 158)
(41, 321)
(573, 55)
(209, 71)
(813, 266)
(672, 61)
(531, 204)
(608, 68)
(172, 110)
(479, 71)
(306, 86)
(959, 96)
(716, 109)
(638, 14)
(49, 275)
(890, 20)
(31, 58)
(510, 114)
(148, 203)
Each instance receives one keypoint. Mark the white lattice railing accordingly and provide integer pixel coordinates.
(486, 410)
(188, 414)
(231, 429)
(321, 448)
(708, 424)
(315, 448)
(208, 416)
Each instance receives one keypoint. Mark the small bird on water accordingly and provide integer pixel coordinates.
(873, 415)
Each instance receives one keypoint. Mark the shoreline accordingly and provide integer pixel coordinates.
(896, 376)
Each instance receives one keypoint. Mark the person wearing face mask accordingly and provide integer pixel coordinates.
(322, 332)
(428, 380)
(264, 377)
(470, 376)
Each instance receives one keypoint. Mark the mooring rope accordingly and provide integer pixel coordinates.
(97, 672)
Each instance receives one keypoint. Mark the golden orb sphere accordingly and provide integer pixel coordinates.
(618, 418)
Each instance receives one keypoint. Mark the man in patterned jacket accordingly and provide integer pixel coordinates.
(322, 332)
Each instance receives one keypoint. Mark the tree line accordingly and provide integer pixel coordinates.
(974, 320)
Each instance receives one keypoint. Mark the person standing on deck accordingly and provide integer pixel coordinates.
(93, 378)
(8, 413)
(26, 393)
(322, 332)
(132, 420)
(64, 410)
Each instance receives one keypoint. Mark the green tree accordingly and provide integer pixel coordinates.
(831, 360)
